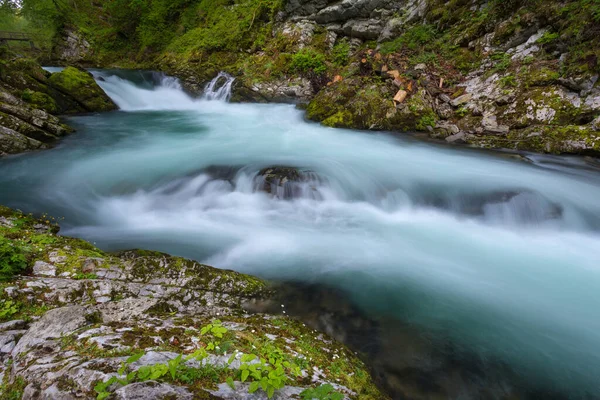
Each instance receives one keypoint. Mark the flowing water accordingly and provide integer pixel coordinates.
(498, 256)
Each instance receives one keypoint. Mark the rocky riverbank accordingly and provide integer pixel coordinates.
(519, 75)
(81, 323)
(31, 98)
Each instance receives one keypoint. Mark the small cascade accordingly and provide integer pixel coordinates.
(219, 88)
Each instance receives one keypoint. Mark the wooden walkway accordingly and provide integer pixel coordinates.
(5, 37)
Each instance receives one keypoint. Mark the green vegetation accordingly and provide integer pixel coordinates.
(13, 259)
(270, 372)
(415, 39)
(308, 61)
(8, 308)
(323, 392)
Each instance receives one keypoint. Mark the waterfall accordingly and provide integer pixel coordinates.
(219, 88)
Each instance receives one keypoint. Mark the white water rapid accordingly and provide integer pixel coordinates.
(497, 255)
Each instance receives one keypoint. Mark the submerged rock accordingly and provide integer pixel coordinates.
(187, 326)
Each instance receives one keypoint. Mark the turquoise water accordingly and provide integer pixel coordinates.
(498, 255)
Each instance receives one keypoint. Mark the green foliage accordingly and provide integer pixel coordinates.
(548, 37)
(323, 392)
(462, 111)
(503, 62)
(226, 25)
(341, 53)
(508, 81)
(8, 308)
(427, 120)
(14, 390)
(308, 61)
(413, 39)
(269, 376)
(215, 329)
(13, 259)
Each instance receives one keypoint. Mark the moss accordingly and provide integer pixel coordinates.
(539, 75)
(40, 100)
(341, 119)
(83, 88)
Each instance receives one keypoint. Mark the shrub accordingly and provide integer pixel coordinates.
(341, 53)
(307, 61)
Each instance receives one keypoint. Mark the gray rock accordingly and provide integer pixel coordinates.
(43, 268)
(12, 325)
(445, 98)
(392, 29)
(241, 392)
(152, 390)
(367, 29)
(461, 99)
(52, 326)
(448, 127)
(596, 124)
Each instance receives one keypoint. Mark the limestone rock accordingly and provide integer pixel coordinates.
(461, 99)
(596, 124)
(72, 48)
(43, 268)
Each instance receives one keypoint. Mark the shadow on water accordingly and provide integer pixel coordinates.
(406, 362)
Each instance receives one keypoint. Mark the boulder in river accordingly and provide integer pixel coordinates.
(288, 182)
(80, 86)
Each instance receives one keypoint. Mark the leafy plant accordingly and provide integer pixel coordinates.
(307, 61)
(270, 376)
(548, 37)
(508, 81)
(503, 62)
(323, 392)
(8, 308)
(12, 259)
(341, 53)
(425, 121)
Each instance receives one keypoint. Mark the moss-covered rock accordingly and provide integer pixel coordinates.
(81, 86)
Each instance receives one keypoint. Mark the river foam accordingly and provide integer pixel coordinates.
(498, 255)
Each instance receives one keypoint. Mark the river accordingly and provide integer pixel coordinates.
(495, 254)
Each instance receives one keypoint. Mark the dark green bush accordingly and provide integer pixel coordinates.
(308, 61)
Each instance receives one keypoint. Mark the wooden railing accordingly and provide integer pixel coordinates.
(4, 35)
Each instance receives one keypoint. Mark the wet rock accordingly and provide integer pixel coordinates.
(288, 183)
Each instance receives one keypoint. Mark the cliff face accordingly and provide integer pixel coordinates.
(513, 74)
